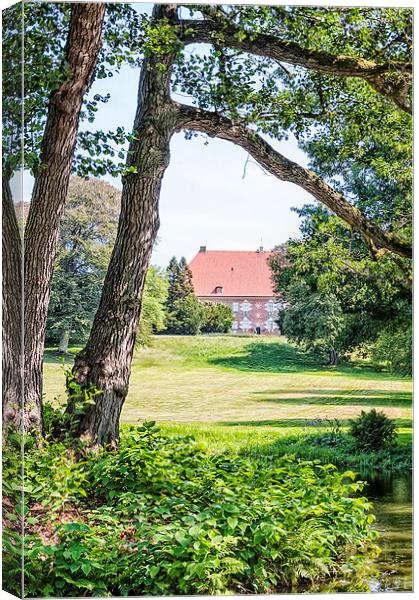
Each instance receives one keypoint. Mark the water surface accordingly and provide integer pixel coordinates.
(392, 498)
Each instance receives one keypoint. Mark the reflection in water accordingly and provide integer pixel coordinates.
(392, 498)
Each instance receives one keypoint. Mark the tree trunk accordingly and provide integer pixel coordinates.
(50, 191)
(333, 361)
(12, 321)
(64, 341)
(105, 362)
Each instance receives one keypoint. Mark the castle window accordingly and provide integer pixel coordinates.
(235, 307)
(270, 306)
(246, 306)
(245, 324)
(218, 289)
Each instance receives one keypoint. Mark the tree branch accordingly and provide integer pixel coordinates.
(391, 80)
(218, 126)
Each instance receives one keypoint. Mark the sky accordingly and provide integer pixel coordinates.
(205, 199)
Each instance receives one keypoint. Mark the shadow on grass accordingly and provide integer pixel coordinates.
(340, 396)
(301, 423)
(275, 358)
(285, 358)
(278, 423)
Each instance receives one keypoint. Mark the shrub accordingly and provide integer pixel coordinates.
(218, 318)
(373, 431)
(13, 509)
(159, 516)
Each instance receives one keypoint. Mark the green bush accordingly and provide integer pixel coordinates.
(13, 509)
(159, 516)
(373, 431)
(218, 318)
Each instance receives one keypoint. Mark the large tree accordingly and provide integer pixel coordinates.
(184, 313)
(68, 83)
(241, 76)
(341, 297)
(63, 52)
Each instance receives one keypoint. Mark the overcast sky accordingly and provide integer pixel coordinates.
(205, 199)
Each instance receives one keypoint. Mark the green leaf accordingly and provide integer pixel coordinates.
(230, 508)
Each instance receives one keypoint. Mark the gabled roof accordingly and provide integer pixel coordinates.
(239, 273)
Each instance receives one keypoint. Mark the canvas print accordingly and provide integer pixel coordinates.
(207, 299)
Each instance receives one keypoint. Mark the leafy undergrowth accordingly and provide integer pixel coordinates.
(160, 516)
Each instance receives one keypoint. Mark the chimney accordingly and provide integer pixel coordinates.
(202, 248)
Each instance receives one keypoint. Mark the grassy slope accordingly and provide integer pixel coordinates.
(230, 391)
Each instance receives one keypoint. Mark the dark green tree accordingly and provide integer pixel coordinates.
(184, 311)
(186, 317)
(314, 320)
(180, 281)
(86, 239)
(153, 305)
(332, 264)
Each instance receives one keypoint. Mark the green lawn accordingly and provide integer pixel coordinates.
(229, 390)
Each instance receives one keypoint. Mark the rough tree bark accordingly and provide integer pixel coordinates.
(50, 191)
(12, 318)
(391, 80)
(286, 170)
(105, 362)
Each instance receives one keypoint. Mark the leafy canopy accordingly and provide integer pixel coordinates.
(86, 240)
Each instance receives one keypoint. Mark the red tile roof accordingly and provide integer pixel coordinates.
(239, 273)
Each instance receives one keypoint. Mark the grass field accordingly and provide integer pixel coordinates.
(229, 390)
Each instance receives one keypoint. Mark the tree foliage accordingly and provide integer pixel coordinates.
(394, 344)
(218, 318)
(313, 319)
(43, 28)
(355, 138)
(86, 240)
(371, 293)
(153, 305)
(184, 311)
(180, 281)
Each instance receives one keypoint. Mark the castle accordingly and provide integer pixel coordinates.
(242, 280)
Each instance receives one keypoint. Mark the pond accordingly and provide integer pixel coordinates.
(391, 495)
(392, 498)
